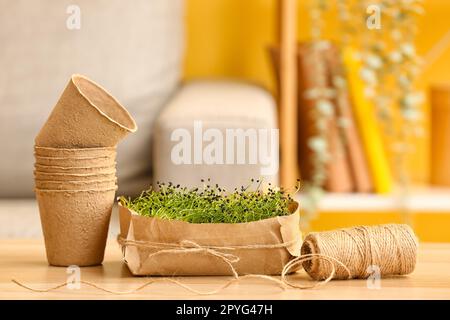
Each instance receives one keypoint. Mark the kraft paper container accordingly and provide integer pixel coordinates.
(76, 152)
(170, 234)
(85, 116)
(75, 161)
(72, 177)
(75, 185)
(75, 170)
(75, 225)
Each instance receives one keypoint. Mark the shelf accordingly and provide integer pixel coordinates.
(430, 208)
(424, 200)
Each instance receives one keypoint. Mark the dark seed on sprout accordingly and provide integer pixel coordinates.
(210, 205)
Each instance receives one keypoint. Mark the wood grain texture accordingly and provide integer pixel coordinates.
(287, 22)
(24, 260)
(440, 135)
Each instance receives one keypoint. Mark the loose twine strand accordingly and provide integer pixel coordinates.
(339, 254)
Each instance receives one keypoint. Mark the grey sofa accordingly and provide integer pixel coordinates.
(136, 52)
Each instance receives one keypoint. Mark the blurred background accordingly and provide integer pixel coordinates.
(361, 97)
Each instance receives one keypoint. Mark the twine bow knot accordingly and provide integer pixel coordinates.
(188, 246)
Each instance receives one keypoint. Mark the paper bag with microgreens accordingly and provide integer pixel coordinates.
(155, 246)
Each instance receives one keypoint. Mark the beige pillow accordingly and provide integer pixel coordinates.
(219, 105)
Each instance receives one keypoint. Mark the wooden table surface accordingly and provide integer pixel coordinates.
(24, 260)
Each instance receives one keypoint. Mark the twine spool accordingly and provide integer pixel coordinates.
(392, 248)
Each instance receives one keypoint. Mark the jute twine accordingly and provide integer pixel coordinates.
(391, 249)
(339, 254)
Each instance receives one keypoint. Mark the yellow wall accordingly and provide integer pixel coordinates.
(228, 38)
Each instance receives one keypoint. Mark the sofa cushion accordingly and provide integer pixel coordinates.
(133, 49)
(222, 106)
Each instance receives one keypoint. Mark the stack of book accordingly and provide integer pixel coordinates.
(357, 156)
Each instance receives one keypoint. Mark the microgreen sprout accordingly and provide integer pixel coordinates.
(212, 203)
